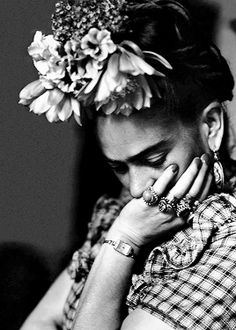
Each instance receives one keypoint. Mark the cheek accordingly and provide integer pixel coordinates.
(183, 155)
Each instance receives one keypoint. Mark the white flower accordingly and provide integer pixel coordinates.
(116, 90)
(113, 80)
(48, 84)
(76, 68)
(137, 97)
(48, 62)
(116, 78)
(133, 64)
(122, 87)
(30, 92)
(71, 48)
(74, 59)
(43, 47)
(56, 105)
(53, 102)
(98, 44)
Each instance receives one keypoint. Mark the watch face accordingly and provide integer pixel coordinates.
(123, 248)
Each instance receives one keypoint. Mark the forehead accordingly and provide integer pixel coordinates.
(122, 137)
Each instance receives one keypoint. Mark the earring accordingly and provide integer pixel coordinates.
(218, 172)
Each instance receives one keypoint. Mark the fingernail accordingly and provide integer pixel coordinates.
(198, 162)
(174, 168)
(206, 159)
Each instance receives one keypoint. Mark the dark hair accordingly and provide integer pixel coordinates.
(200, 74)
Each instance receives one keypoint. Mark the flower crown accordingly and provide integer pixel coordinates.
(80, 66)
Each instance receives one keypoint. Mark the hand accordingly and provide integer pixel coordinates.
(141, 224)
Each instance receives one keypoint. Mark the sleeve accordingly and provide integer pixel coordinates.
(189, 282)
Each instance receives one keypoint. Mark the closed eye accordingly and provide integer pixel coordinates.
(152, 161)
(118, 168)
(155, 161)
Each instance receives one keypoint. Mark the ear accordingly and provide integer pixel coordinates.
(213, 125)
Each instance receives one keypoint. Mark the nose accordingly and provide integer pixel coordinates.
(139, 179)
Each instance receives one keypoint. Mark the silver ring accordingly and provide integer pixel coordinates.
(186, 206)
(150, 197)
(166, 205)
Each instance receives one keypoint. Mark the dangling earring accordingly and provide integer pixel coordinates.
(218, 172)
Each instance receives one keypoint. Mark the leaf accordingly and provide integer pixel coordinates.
(159, 58)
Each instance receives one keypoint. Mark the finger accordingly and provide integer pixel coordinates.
(206, 189)
(200, 181)
(164, 180)
(186, 180)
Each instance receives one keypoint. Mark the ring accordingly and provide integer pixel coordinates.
(186, 206)
(150, 197)
(165, 205)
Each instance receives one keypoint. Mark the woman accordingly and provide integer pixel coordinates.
(164, 251)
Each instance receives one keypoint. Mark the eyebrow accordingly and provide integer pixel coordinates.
(142, 154)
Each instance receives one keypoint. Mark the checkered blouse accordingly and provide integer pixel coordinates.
(188, 282)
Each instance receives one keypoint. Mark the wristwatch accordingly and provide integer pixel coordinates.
(121, 247)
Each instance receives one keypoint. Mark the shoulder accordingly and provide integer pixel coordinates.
(139, 319)
(217, 208)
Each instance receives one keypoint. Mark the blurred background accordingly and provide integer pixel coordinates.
(42, 191)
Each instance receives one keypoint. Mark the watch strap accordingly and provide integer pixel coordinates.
(121, 247)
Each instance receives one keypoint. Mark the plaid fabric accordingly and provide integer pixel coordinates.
(187, 282)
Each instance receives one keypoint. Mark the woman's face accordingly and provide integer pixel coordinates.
(139, 149)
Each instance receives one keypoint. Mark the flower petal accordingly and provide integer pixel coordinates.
(137, 99)
(40, 104)
(112, 80)
(42, 67)
(126, 64)
(104, 89)
(90, 86)
(145, 86)
(24, 102)
(75, 105)
(98, 44)
(32, 90)
(140, 65)
(55, 96)
(78, 120)
(131, 45)
(47, 84)
(52, 113)
(147, 93)
(66, 109)
(159, 58)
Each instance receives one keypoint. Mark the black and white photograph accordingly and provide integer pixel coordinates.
(118, 165)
